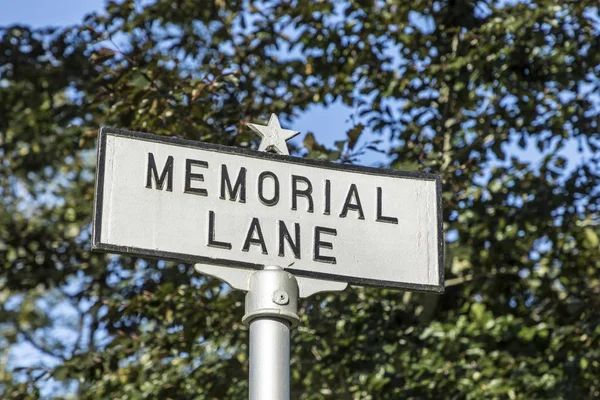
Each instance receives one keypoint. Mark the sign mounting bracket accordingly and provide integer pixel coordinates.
(240, 280)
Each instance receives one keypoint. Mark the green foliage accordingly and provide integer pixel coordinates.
(450, 87)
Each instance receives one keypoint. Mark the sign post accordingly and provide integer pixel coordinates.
(271, 307)
(275, 226)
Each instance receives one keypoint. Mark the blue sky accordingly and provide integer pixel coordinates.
(39, 13)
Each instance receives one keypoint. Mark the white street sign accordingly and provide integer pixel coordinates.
(175, 199)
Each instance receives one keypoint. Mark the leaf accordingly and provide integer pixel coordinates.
(139, 80)
(353, 135)
(477, 311)
(591, 238)
(101, 54)
(309, 141)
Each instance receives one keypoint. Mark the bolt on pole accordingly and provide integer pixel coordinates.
(271, 313)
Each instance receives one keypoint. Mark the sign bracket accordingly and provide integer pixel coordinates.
(239, 279)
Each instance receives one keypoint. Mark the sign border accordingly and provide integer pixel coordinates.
(97, 245)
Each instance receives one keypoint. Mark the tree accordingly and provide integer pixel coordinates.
(453, 87)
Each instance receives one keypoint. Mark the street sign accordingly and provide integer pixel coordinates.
(170, 198)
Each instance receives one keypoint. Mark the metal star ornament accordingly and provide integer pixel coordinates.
(273, 136)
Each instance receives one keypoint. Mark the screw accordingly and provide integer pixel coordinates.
(281, 297)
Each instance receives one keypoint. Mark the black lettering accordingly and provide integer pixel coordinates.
(167, 173)
(261, 179)
(211, 234)
(327, 210)
(189, 177)
(255, 226)
(326, 245)
(348, 205)
(304, 192)
(380, 216)
(285, 234)
(240, 185)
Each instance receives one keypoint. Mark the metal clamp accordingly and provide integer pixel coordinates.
(273, 292)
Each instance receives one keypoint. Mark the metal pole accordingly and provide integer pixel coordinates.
(269, 359)
(271, 307)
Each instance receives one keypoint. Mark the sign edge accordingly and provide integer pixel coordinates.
(99, 189)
